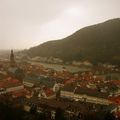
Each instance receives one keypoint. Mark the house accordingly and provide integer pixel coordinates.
(68, 91)
(37, 80)
(46, 93)
(16, 72)
(31, 80)
(77, 93)
(91, 95)
(10, 84)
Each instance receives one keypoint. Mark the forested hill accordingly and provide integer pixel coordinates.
(96, 43)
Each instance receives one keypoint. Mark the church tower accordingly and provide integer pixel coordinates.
(12, 59)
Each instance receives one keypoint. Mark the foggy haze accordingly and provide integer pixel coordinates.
(26, 23)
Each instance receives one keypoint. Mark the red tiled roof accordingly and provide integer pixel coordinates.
(117, 114)
(2, 84)
(9, 82)
(19, 93)
(48, 91)
(116, 82)
(115, 99)
(69, 81)
(10, 79)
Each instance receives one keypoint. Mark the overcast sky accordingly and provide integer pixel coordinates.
(26, 23)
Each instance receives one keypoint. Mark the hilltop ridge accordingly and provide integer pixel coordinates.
(96, 43)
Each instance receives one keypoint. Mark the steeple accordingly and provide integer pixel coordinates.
(12, 59)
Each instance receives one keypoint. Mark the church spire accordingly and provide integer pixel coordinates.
(12, 59)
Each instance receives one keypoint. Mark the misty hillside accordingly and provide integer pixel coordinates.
(97, 43)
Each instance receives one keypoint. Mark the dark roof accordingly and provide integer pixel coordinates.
(69, 87)
(32, 79)
(67, 105)
(110, 107)
(91, 92)
(40, 80)
(54, 103)
(12, 69)
(15, 70)
(47, 81)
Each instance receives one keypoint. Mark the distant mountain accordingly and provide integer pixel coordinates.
(97, 43)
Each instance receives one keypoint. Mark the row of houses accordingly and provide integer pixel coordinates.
(76, 93)
(9, 85)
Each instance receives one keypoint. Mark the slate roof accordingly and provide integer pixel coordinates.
(69, 87)
(54, 104)
(40, 80)
(91, 92)
(32, 79)
(84, 90)
(12, 69)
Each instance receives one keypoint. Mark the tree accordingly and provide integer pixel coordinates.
(59, 115)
